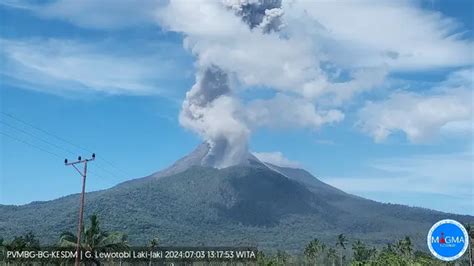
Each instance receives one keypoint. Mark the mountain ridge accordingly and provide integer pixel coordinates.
(254, 203)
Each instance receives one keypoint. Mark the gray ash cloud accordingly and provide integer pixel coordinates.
(211, 109)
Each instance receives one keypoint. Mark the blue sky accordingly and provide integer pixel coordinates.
(382, 110)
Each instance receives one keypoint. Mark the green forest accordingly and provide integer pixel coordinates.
(342, 251)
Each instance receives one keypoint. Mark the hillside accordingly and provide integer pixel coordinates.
(252, 204)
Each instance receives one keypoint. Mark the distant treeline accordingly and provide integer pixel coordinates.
(342, 252)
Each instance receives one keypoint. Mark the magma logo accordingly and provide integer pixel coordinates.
(448, 240)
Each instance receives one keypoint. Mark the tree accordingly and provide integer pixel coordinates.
(362, 254)
(282, 257)
(3, 249)
(153, 244)
(389, 256)
(470, 232)
(341, 242)
(27, 241)
(332, 256)
(261, 258)
(422, 258)
(314, 250)
(94, 239)
(20, 243)
(264, 260)
(404, 247)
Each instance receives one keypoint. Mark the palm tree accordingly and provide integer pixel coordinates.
(20, 243)
(3, 247)
(470, 233)
(261, 258)
(153, 244)
(314, 249)
(341, 242)
(281, 257)
(94, 239)
(407, 246)
(332, 256)
(362, 254)
(404, 248)
(26, 242)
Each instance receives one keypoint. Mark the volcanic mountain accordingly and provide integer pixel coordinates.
(253, 203)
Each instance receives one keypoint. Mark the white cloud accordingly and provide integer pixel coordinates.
(398, 34)
(458, 128)
(104, 14)
(287, 64)
(218, 37)
(406, 38)
(276, 158)
(430, 177)
(284, 111)
(59, 66)
(420, 115)
(365, 40)
(402, 37)
(218, 124)
(339, 93)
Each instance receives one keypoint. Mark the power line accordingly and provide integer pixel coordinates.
(30, 144)
(37, 137)
(123, 173)
(45, 132)
(48, 151)
(113, 175)
(105, 170)
(94, 174)
(49, 143)
(54, 154)
(117, 168)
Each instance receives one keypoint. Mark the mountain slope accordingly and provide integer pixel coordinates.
(251, 204)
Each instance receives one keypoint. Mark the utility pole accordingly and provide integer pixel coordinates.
(83, 173)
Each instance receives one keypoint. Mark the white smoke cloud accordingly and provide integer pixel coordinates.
(219, 37)
(284, 111)
(245, 46)
(262, 14)
(210, 110)
(316, 56)
(420, 115)
(284, 46)
(276, 158)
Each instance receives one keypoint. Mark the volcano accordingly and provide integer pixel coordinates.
(250, 204)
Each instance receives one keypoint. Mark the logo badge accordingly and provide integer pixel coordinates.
(448, 240)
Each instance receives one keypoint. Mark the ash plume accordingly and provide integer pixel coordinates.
(263, 14)
(211, 109)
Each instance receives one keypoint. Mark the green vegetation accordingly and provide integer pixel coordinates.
(399, 253)
(341, 243)
(244, 205)
(289, 215)
(19, 243)
(94, 239)
(27, 241)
